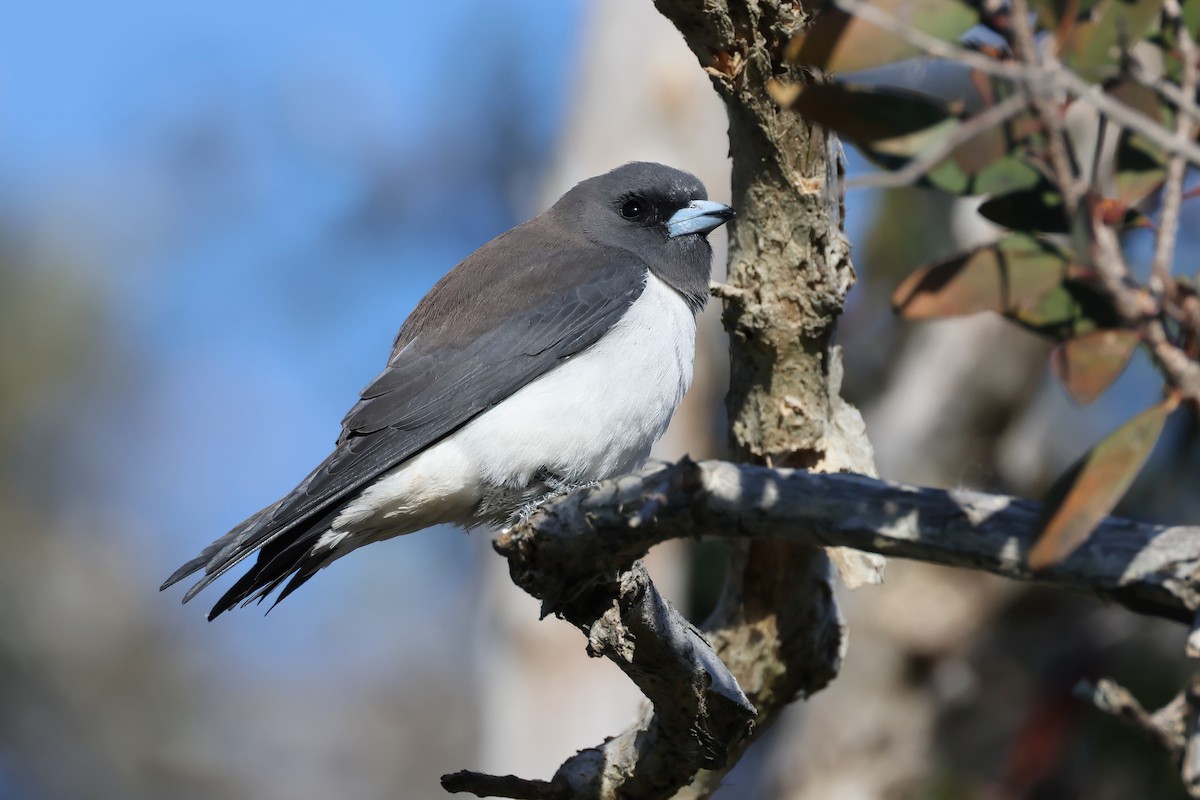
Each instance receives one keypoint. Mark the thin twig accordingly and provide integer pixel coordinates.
(1168, 90)
(1172, 203)
(1135, 305)
(1164, 727)
(1182, 372)
(971, 127)
(1048, 107)
(1095, 96)
(1173, 727)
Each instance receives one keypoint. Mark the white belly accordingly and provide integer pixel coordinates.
(590, 418)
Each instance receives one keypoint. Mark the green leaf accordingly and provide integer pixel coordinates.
(1072, 309)
(988, 163)
(1091, 488)
(1006, 276)
(1005, 174)
(1037, 209)
(892, 126)
(1191, 17)
(1094, 47)
(840, 42)
(1141, 168)
(1050, 12)
(1087, 365)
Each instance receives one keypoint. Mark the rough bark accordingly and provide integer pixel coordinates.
(697, 714)
(778, 625)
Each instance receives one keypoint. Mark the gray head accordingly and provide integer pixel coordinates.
(658, 214)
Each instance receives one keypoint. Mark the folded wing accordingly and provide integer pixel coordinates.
(460, 353)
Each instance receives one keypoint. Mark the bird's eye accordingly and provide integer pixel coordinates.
(632, 208)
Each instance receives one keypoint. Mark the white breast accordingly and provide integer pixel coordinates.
(597, 414)
(592, 417)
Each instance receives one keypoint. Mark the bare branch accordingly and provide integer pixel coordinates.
(699, 712)
(931, 45)
(1095, 96)
(1166, 727)
(1175, 727)
(1147, 568)
(1166, 88)
(1181, 371)
(1137, 307)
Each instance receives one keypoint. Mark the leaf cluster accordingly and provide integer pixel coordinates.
(1063, 190)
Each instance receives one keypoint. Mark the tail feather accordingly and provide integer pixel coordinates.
(276, 561)
(281, 553)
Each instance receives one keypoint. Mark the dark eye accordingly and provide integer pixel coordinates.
(633, 208)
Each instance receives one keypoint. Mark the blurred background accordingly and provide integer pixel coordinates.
(213, 219)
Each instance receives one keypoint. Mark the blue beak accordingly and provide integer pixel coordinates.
(698, 216)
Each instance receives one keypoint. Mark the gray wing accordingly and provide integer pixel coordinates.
(447, 368)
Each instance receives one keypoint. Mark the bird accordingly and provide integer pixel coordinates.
(551, 358)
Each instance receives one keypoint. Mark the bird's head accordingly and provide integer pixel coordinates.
(658, 214)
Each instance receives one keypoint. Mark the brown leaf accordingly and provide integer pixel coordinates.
(1140, 97)
(1072, 309)
(840, 42)
(1087, 365)
(1008, 275)
(866, 115)
(1091, 488)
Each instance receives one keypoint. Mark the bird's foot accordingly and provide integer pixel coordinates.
(557, 486)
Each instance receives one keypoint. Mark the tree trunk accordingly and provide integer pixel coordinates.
(778, 627)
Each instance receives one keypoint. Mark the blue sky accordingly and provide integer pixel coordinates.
(258, 193)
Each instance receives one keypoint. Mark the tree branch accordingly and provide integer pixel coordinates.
(581, 555)
(698, 715)
(1175, 727)
(1167, 727)
(1168, 226)
(1150, 569)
